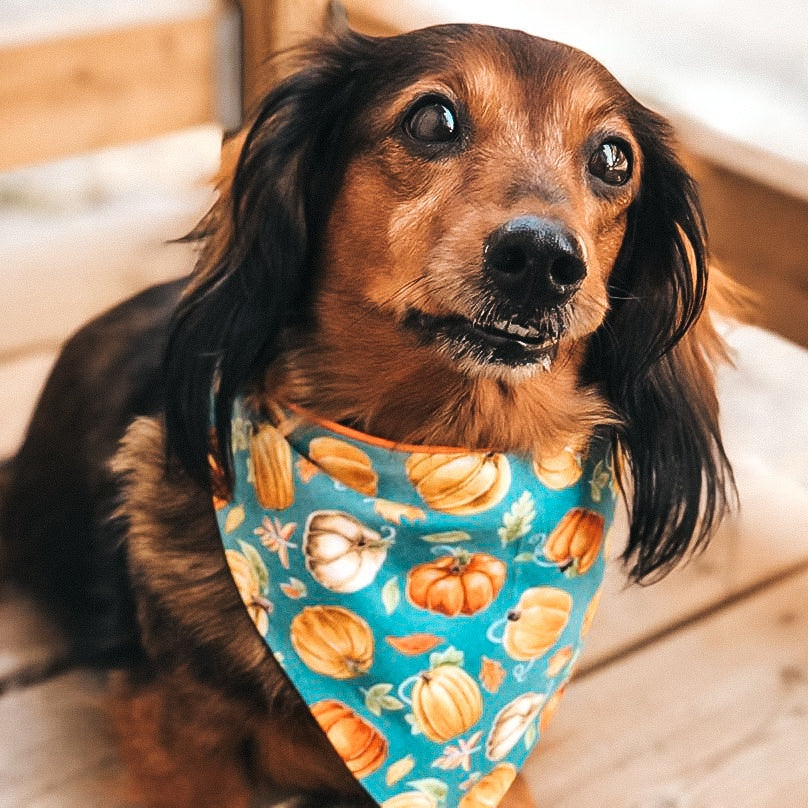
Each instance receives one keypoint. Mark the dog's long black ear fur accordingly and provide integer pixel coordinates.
(652, 358)
(256, 266)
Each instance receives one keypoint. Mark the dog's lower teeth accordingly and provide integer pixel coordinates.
(516, 330)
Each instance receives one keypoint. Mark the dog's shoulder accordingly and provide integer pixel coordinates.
(179, 573)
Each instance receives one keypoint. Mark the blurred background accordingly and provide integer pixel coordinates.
(111, 118)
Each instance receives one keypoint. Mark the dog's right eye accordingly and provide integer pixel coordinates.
(432, 120)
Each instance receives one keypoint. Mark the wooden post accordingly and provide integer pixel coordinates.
(271, 26)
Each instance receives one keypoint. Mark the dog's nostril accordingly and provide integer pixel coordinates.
(567, 270)
(535, 261)
(511, 260)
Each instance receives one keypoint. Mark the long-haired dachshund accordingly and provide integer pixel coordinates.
(460, 237)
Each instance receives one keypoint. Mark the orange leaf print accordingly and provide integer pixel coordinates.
(414, 644)
(396, 511)
(491, 674)
(559, 660)
(306, 469)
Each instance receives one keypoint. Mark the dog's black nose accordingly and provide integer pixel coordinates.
(534, 261)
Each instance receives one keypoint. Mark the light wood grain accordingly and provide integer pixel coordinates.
(56, 746)
(68, 95)
(713, 717)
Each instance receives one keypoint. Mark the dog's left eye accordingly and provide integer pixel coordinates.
(431, 120)
(611, 162)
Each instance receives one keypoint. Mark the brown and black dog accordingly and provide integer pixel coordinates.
(460, 236)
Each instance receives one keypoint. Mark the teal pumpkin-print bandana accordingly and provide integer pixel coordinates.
(427, 603)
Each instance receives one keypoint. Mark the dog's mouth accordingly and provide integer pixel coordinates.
(490, 342)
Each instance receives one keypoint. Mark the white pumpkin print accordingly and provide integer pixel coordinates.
(510, 724)
(341, 553)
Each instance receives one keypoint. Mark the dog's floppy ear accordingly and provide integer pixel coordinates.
(653, 358)
(260, 247)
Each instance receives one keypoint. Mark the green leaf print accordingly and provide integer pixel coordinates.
(391, 595)
(518, 521)
(378, 699)
(240, 431)
(257, 564)
(437, 790)
(447, 537)
(601, 478)
(530, 736)
(415, 729)
(450, 656)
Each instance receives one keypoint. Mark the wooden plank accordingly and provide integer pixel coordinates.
(765, 433)
(57, 750)
(70, 95)
(21, 380)
(716, 715)
(771, 257)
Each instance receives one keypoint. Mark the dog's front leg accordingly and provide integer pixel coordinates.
(183, 744)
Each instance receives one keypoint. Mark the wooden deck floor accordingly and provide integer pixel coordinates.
(692, 693)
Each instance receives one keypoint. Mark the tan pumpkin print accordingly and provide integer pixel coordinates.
(511, 723)
(356, 741)
(271, 458)
(251, 589)
(459, 483)
(341, 553)
(409, 799)
(576, 540)
(490, 789)
(344, 462)
(461, 583)
(332, 641)
(534, 625)
(446, 702)
(560, 470)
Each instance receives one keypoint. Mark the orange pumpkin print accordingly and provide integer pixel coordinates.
(271, 458)
(576, 540)
(536, 622)
(333, 641)
(550, 709)
(344, 462)
(459, 483)
(490, 789)
(462, 583)
(446, 702)
(361, 746)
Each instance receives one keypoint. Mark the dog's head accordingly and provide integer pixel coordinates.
(464, 235)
